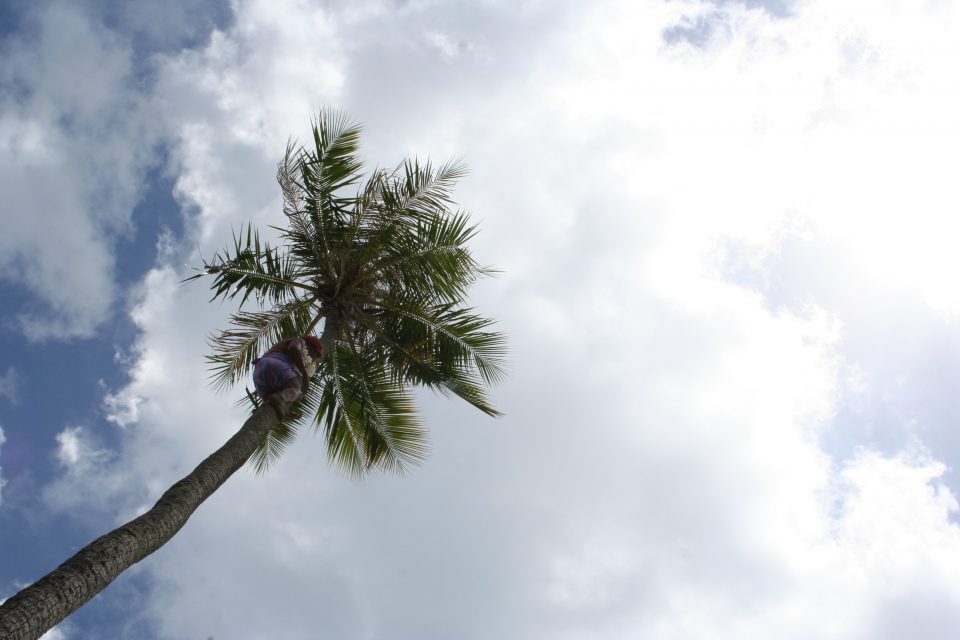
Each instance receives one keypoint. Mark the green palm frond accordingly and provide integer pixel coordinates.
(272, 447)
(252, 268)
(419, 354)
(368, 421)
(452, 336)
(325, 171)
(385, 260)
(303, 240)
(417, 191)
(432, 261)
(393, 435)
(340, 428)
(334, 161)
(393, 204)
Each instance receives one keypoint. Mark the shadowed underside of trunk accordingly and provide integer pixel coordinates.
(37, 608)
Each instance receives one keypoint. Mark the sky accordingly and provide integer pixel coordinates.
(727, 236)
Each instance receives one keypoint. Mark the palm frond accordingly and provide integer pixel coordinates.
(452, 335)
(305, 241)
(272, 447)
(394, 437)
(460, 383)
(414, 358)
(344, 447)
(418, 191)
(432, 260)
(393, 202)
(336, 144)
(325, 172)
(252, 268)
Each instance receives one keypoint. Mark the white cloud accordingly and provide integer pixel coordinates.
(55, 634)
(10, 385)
(156, 25)
(227, 130)
(84, 460)
(68, 447)
(123, 408)
(661, 471)
(71, 158)
(77, 451)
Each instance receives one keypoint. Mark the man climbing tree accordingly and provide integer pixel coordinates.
(283, 373)
(383, 264)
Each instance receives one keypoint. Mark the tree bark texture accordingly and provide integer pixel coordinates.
(37, 608)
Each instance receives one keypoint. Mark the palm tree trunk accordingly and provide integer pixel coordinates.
(37, 608)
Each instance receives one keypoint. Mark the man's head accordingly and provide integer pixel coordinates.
(314, 346)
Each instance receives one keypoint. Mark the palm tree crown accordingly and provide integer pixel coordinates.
(383, 262)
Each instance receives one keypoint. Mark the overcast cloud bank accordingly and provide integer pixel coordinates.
(72, 156)
(706, 241)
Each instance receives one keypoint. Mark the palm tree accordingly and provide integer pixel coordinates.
(382, 262)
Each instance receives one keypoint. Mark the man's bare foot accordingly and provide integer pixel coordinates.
(279, 405)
